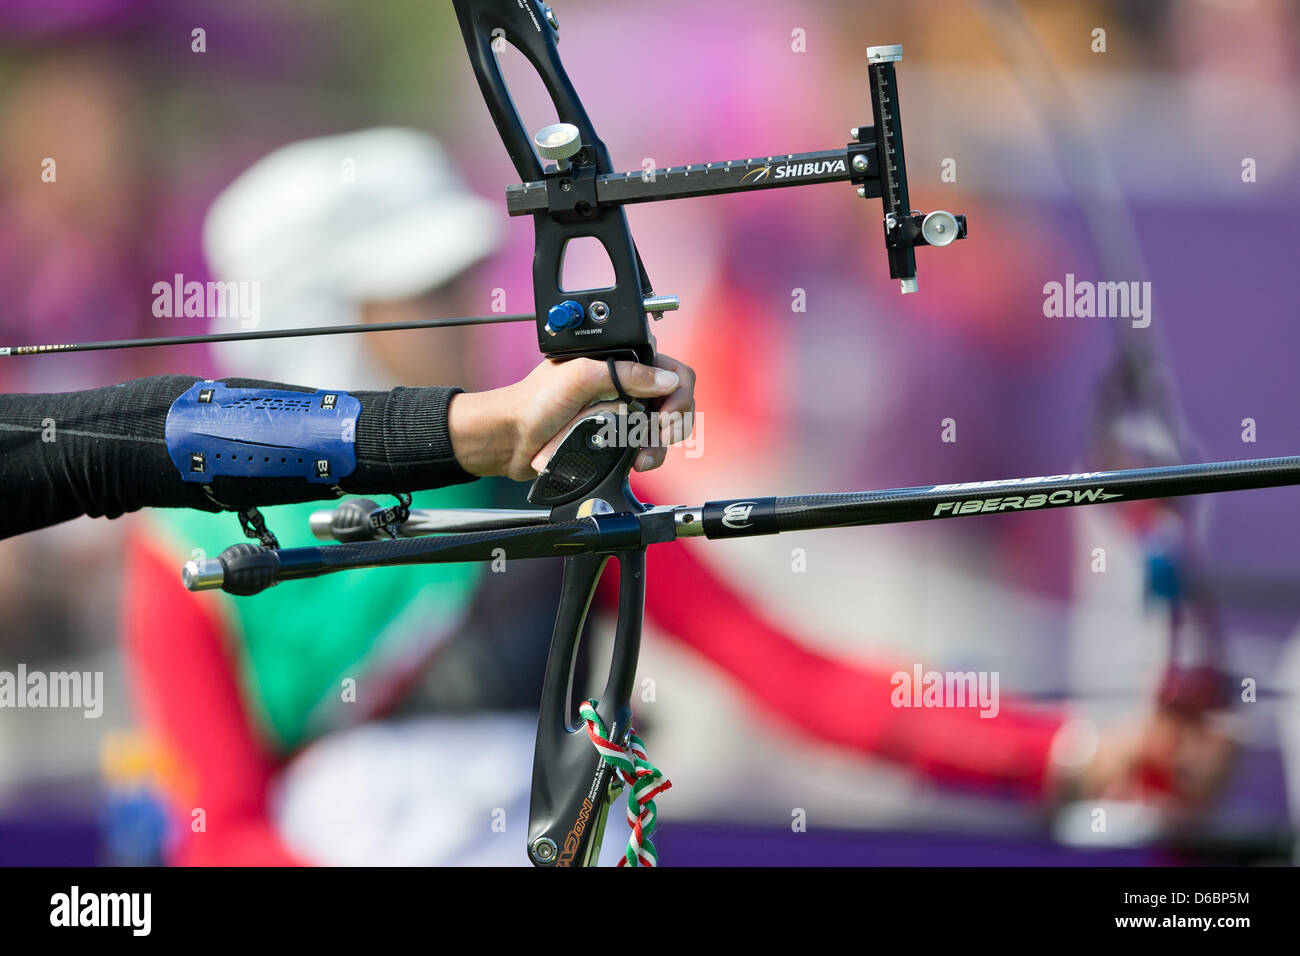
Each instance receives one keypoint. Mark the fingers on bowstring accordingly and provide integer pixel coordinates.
(642, 381)
(597, 382)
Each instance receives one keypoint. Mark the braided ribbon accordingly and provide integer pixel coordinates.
(644, 780)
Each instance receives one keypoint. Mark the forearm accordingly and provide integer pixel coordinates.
(103, 453)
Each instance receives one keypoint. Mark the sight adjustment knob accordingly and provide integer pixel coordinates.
(559, 142)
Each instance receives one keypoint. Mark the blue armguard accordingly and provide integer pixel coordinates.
(217, 431)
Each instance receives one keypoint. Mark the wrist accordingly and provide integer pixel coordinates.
(478, 428)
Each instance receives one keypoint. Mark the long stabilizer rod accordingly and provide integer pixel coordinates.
(248, 569)
(745, 517)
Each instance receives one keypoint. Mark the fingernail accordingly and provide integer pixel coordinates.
(644, 461)
(665, 378)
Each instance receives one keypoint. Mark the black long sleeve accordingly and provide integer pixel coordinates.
(102, 453)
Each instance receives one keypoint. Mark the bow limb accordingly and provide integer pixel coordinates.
(572, 785)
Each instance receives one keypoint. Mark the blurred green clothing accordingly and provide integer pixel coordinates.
(299, 644)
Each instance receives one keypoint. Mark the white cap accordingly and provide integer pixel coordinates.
(327, 224)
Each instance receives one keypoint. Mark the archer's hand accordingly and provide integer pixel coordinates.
(1172, 758)
(512, 431)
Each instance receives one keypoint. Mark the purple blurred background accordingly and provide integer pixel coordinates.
(849, 394)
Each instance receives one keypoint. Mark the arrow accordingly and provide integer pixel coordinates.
(264, 334)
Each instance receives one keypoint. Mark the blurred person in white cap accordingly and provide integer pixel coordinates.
(371, 226)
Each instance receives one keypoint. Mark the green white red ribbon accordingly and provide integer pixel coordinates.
(644, 781)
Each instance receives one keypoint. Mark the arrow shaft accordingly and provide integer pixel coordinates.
(255, 334)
